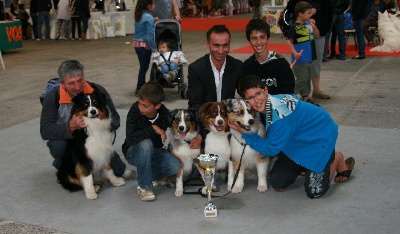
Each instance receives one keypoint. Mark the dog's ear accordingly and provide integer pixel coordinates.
(171, 115)
(102, 97)
(228, 104)
(224, 111)
(194, 114)
(204, 109)
(77, 98)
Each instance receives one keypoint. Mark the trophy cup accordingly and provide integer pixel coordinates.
(207, 162)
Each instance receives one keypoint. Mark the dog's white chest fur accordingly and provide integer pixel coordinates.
(99, 141)
(218, 143)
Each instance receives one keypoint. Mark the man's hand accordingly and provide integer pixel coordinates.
(196, 142)
(76, 122)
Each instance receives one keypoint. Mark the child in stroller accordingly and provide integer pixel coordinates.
(167, 61)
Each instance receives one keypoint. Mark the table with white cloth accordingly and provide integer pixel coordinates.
(129, 15)
(129, 23)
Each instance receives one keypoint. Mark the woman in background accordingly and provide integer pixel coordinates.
(143, 40)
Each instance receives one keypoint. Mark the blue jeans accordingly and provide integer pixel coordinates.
(165, 69)
(358, 26)
(66, 27)
(43, 16)
(58, 148)
(152, 163)
(337, 27)
(144, 56)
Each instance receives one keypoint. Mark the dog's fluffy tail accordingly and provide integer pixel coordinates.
(67, 182)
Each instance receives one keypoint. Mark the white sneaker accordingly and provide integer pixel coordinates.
(146, 194)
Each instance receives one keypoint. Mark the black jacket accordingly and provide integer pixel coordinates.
(276, 74)
(44, 5)
(201, 82)
(139, 128)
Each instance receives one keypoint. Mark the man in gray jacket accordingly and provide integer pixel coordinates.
(57, 126)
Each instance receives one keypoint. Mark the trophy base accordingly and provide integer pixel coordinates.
(210, 213)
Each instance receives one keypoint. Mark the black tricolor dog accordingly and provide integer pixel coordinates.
(90, 150)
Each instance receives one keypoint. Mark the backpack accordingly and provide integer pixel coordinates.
(53, 83)
(285, 21)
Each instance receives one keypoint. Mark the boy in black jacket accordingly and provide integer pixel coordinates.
(271, 67)
(146, 123)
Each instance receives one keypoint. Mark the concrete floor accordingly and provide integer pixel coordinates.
(365, 97)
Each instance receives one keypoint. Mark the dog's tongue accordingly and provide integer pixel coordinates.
(247, 128)
(182, 135)
(219, 128)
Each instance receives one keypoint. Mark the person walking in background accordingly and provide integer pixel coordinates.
(164, 8)
(63, 17)
(44, 7)
(337, 29)
(83, 11)
(323, 18)
(23, 17)
(143, 39)
(33, 10)
(13, 11)
(358, 10)
(75, 20)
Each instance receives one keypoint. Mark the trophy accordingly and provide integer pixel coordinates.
(207, 162)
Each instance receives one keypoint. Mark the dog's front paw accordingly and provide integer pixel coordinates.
(117, 181)
(262, 188)
(237, 189)
(178, 193)
(91, 195)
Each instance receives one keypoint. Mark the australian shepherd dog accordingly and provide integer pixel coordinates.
(241, 113)
(214, 116)
(89, 151)
(183, 128)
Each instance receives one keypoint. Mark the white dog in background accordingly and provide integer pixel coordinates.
(389, 32)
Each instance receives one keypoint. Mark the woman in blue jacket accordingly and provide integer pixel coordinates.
(301, 134)
(143, 40)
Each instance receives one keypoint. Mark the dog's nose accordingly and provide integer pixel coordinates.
(93, 112)
(220, 122)
(251, 121)
(181, 128)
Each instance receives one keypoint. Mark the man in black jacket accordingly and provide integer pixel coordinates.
(215, 76)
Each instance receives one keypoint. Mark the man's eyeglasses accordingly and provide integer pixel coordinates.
(257, 95)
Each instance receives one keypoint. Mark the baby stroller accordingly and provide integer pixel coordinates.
(170, 30)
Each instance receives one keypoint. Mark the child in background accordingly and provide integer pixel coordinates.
(167, 61)
(146, 123)
(301, 44)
